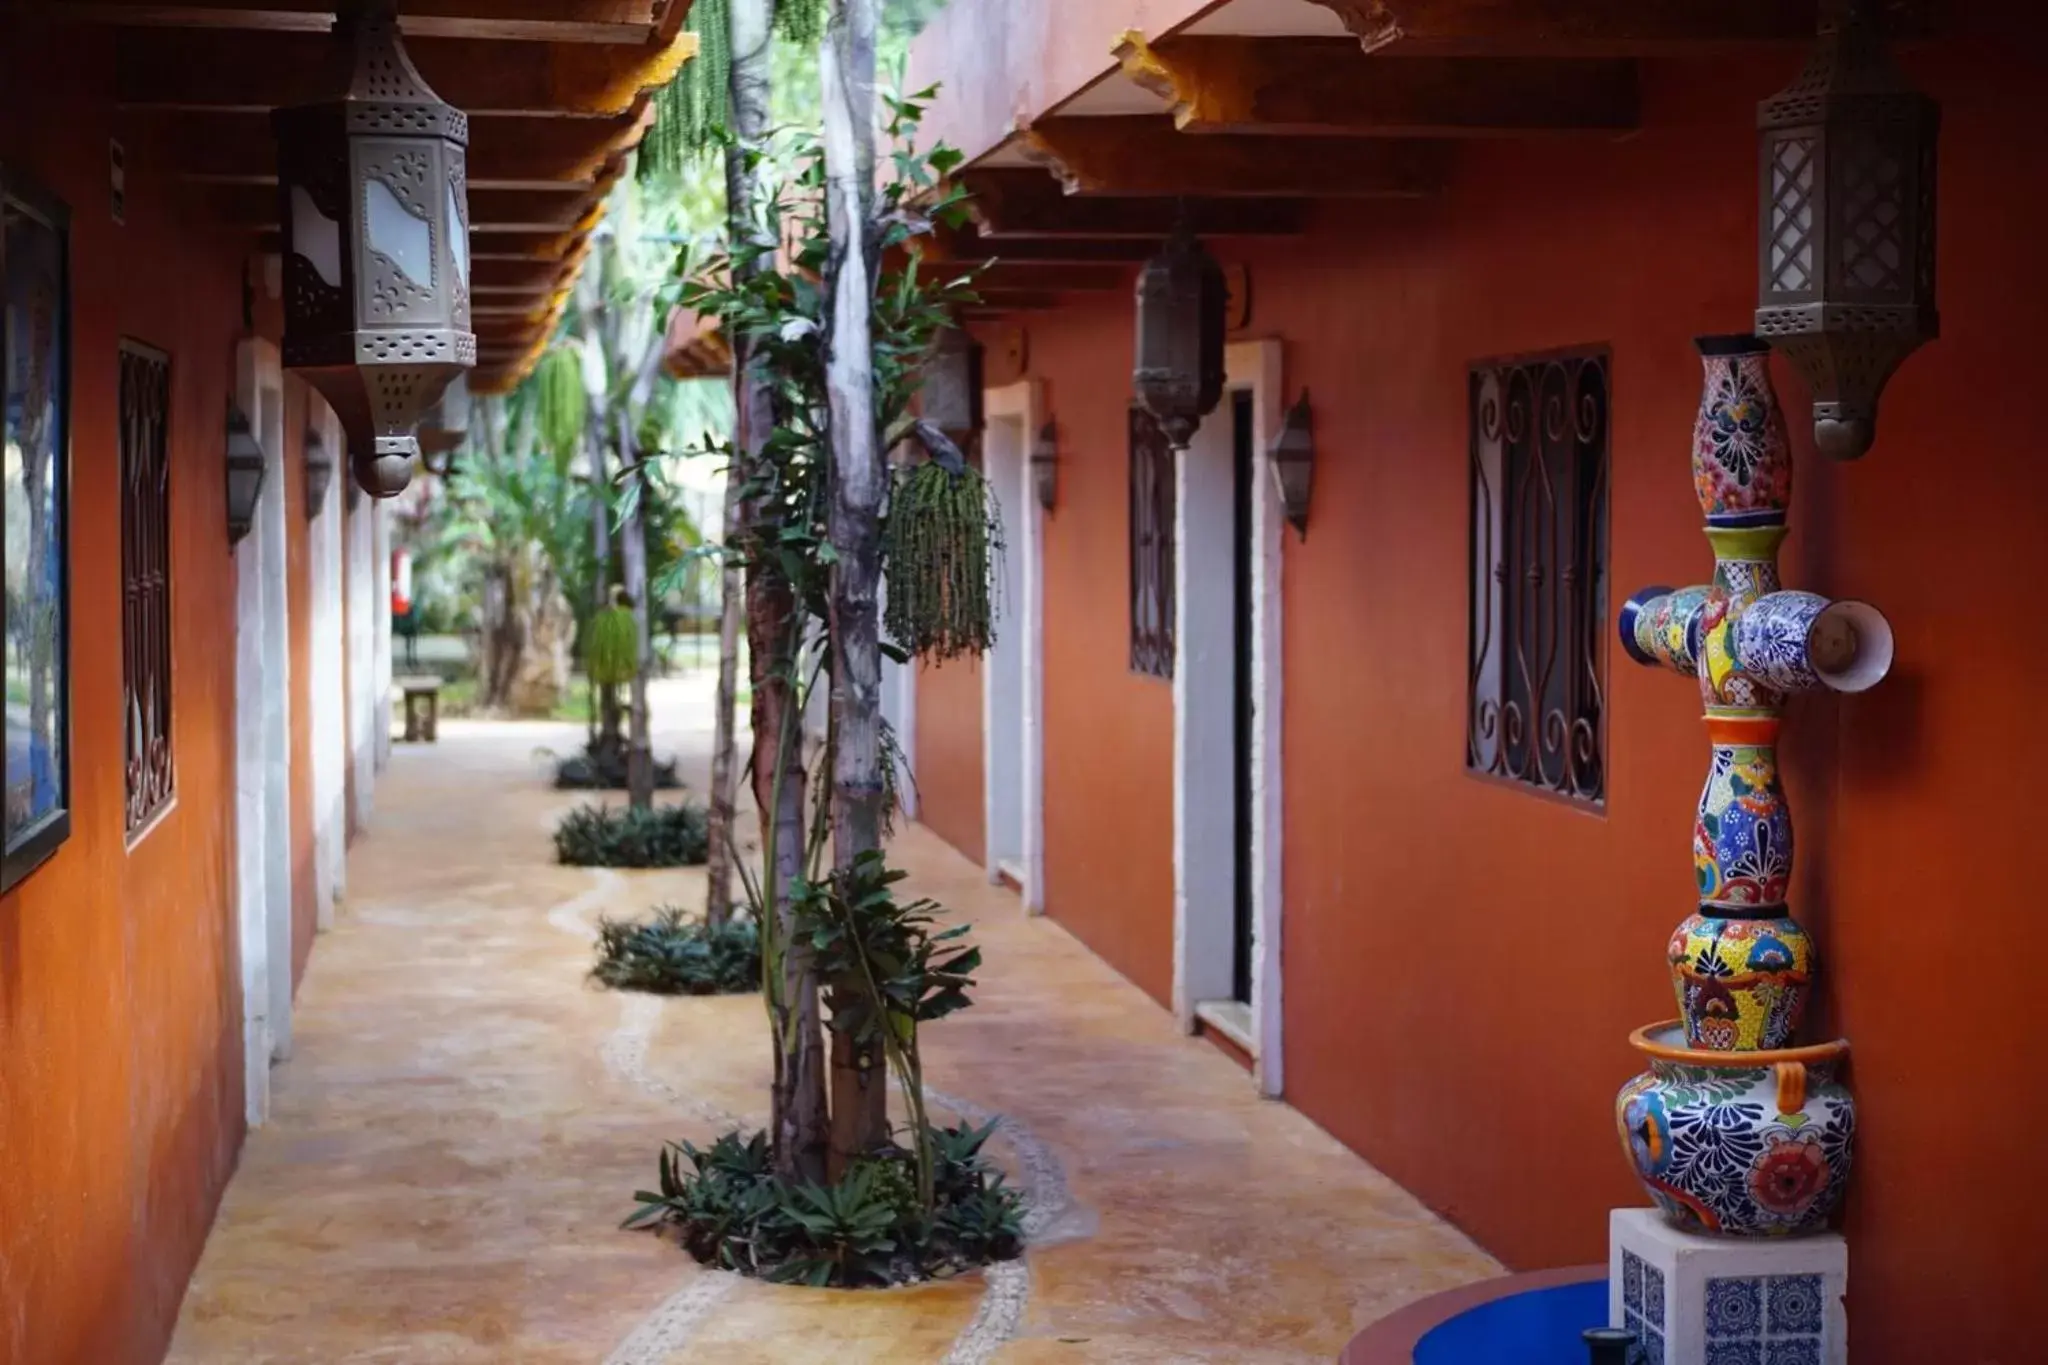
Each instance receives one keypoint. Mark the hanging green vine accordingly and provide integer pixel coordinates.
(693, 111)
(559, 400)
(613, 654)
(801, 21)
(940, 548)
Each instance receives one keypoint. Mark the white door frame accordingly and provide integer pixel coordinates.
(1023, 621)
(1204, 718)
(330, 702)
(263, 741)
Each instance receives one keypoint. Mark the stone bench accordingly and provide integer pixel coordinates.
(422, 707)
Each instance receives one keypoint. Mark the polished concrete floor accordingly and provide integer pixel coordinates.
(465, 1119)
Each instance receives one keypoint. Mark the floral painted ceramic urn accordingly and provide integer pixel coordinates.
(1735, 1129)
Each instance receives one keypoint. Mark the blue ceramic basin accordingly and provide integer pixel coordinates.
(1536, 1327)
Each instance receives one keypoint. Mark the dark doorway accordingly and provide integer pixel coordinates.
(1244, 457)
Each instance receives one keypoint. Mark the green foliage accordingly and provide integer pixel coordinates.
(867, 1229)
(675, 955)
(773, 301)
(611, 650)
(940, 550)
(885, 972)
(892, 966)
(666, 836)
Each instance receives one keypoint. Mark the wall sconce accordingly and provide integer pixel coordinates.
(1846, 261)
(1179, 374)
(373, 197)
(245, 474)
(951, 396)
(319, 473)
(1293, 454)
(1045, 465)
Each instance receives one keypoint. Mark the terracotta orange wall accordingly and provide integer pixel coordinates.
(120, 1021)
(299, 621)
(1464, 960)
(1109, 731)
(948, 762)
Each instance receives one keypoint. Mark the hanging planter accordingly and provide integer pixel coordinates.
(939, 549)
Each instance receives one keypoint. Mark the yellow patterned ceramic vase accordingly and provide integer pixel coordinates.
(1741, 983)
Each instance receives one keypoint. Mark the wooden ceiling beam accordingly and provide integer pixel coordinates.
(540, 276)
(627, 22)
(1013, 301)
(1310, 87)
(997, 276)
(504, 153)
(259, 71)
(1030, 204)
(1585, 28)
(971, 247)
(1145, 155)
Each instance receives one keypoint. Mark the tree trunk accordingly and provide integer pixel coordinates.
(749, 86)
(799, 1099)
(607, 739)
(860, 1118)
(633, 547)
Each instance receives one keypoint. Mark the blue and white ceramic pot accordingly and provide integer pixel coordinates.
(1739, 1144)
(1796, 641)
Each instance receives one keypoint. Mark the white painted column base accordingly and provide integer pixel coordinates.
(1694, 1300)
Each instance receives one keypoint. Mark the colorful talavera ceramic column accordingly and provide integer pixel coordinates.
(1734, 1129)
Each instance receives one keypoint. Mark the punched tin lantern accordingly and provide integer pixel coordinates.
(374, 202)
(1846, 259)
(1182, 294)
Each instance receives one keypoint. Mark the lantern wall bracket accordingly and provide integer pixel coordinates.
(1293, 460)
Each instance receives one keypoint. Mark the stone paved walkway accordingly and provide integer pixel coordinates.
(465, 1120)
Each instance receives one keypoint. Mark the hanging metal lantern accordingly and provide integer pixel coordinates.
(444, 428)
(244, 469)
(951, 396)
(319, 472)
(1181, 298)
(1846, 260)
(374, 201)
(1293, 454)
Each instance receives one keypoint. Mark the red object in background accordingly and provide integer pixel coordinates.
(401, 582)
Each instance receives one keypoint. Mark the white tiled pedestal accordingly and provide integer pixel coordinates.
(1695, 1300)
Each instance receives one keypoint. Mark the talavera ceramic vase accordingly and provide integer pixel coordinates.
(1741, 458)
(1798, 641)
(1739, 1144)
(1741, 983)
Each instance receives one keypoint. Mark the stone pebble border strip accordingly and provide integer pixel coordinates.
(1006, 1285)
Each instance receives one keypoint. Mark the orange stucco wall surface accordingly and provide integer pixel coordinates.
(120, 1019)
(1464, 960)
(948, 761)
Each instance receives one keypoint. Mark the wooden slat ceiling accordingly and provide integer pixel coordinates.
(559, 93)
(1256, 108)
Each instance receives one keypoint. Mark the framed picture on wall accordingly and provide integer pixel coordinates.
(35, 497)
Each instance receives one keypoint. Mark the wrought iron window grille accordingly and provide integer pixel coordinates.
(1153, 505)
(1536, 710)
(146, 581)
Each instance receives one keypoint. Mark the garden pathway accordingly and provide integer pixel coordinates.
(464, 1121)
